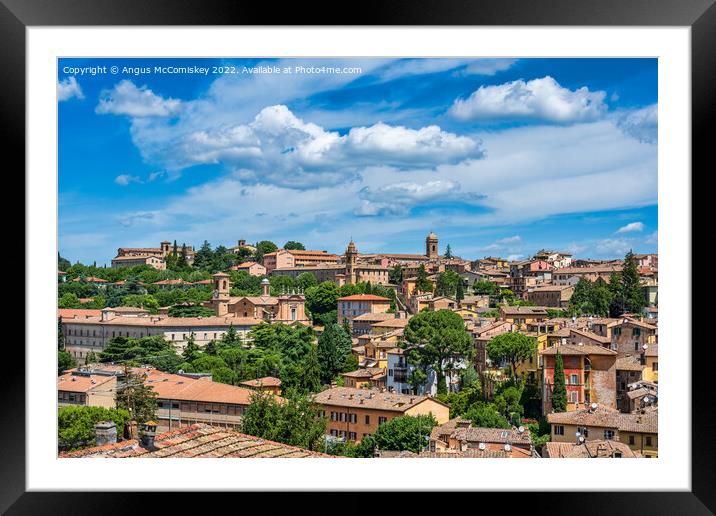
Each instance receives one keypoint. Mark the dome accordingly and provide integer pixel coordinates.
(432, 236)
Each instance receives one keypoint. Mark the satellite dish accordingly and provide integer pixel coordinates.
(578, 433)
(481, 446)
(646, 399)
(521, 429)
(594, 406)
(581, 439)
(508, 447)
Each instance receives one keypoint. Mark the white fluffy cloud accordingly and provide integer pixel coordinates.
(127, 99)
(125, 179)
(277, 147)
(538, 99)
(614, 246)
(641, 124)
(632, 227)
(68, 89)
(398, 198)
(469, 66)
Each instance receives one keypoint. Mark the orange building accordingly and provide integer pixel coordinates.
(350, 307)
(356, 413)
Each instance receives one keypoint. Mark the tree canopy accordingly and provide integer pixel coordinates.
(512, 347)
(436, 339)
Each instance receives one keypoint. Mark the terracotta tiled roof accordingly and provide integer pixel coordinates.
(171, 322)
(578, 349)
(370, 398)
(492, 435)
(266, 381)
(91, 279)
(392, 323)
(368, 372)
(75, 313)
(198, 440)
(591, 335)
(607, 418)
(629, 363)
(588, 450)
(364, 297)
(524, 310)
(178, 387)
(79, 383)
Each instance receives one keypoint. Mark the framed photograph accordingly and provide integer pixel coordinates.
(267, 252)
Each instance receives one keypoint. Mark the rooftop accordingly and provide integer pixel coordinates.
(369, 398)
(588, 450)
(578, 349)
(365, 297)
(198, 440)
(72, 383)
(606, 417)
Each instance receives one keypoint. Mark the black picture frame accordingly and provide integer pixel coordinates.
(700, 15)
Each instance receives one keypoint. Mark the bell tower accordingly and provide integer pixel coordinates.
(351, 258)
(220, 295)
(431, 246)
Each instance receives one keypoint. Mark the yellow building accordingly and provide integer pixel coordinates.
(91, 390)
(531, 369)
(638, 431)
(651, 360)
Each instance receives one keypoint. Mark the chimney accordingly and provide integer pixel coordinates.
(105, 433)
(148, 433)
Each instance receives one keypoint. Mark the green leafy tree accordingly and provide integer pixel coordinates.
(601, 298)
(137, 398)
(437, 338)
(403, 433)
(65, 361)
(306, 280)
(76, 424)
(311, 372)
(321, 301)
(266, 247)
(448, 252)
(559, 390)
(581, 300)
(485, 415)
(395, 275)
(484, 287)
(334, 347)
(63, 264)
(447, 283)
(618, 305)
(460, 291)
(293, 245)
(512, 347)
(422, 283)
(634, 299)
(191, 351)
(190, 311)
(296, 421)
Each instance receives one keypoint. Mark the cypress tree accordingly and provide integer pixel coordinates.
(631, 285)
(559, 391)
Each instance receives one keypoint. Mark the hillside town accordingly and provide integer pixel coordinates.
(256, 350)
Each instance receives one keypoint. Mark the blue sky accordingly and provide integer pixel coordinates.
(497, 156)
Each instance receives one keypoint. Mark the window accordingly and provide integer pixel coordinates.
(632, 441)
(382, 420)
(636, 346)
(333, 416)
(574, 379)
(353, 418)
(583, 430)
(636, 332)
(574, 397)
(609, 435)
(367, 420)
(352, 436)
(655, 366)
(558, 430)
(648, 440)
